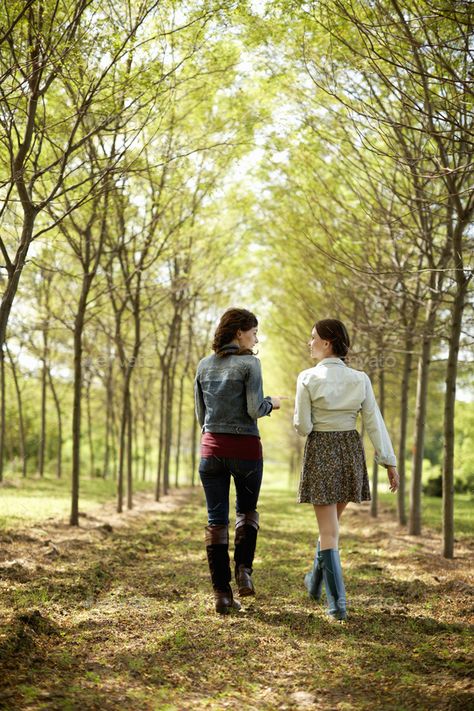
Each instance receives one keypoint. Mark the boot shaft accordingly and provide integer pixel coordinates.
(246, 530)
(217, 549)
(330, 562)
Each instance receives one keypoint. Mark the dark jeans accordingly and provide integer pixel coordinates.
(215, 473)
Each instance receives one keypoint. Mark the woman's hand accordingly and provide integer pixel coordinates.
(276, 401)
(393, 478)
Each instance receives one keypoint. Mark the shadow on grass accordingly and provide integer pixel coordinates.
(128, 623)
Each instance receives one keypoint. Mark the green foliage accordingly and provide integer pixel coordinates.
(464, 451)
(272, 155)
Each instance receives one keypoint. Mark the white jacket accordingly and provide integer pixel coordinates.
(329, 398)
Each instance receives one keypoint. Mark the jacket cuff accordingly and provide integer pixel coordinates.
(386, 461)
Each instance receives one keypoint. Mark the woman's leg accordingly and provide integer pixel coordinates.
(340, 508)
(314, 579)
(328, 524)
(248, 478)
(247, 475)
(328, 558)
(215, 479)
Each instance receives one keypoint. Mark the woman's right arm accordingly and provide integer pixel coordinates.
(199, 405)
(302, 418)
(257, 404)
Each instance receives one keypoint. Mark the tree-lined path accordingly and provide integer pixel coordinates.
(160, 162)
(118, 614)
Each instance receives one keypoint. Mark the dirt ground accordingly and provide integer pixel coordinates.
(118, 614)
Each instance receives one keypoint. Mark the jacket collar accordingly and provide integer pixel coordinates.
(229, 348)
(332, 359)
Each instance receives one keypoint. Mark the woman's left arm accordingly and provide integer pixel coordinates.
(302, 418)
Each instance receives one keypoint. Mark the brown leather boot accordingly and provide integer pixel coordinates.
(246, 529)
(243, 578)
(225, 602)
(217, 548)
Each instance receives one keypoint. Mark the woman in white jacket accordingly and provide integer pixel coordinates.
(328, 398)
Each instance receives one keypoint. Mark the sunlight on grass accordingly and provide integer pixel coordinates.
(33, 500)
(134, 624)
(431, 512)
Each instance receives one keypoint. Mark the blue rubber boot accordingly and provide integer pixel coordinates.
(314, 579)
(334, 583)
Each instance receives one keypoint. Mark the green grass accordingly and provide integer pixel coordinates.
(35, 499)
(24, 501)
(132, 625)
(431, 512)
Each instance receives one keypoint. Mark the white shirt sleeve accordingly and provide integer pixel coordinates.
(376, 429)
(302, 418)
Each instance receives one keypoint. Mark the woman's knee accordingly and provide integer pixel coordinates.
(328, 525)
(248, 479)
(218, 513)
(217, 522)
(327, 518)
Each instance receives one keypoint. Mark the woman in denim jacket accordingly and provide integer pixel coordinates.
(229, 399)
(328, 399)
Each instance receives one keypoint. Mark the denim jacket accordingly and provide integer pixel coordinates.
(228, 393)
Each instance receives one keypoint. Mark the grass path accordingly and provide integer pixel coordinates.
(119, 615)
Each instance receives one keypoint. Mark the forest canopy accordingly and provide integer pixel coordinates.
(163, 161)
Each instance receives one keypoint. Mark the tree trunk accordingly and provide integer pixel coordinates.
(21, 420)
(77, 402)
(136, 451)
(449, 409)
(168, 433)
(129, 454)
(60, 426)
(89, 429)
(181, 397)
(17, 268)
(160, 435)
(44, 372)
(180, 429)
(194, 436)
(2, 408)
(375, 480)
(175, 334)
(109, 434)
(146, 440)
(115, 439)
(404, 399)
(375, 472)
(122, 444)
(424, 360)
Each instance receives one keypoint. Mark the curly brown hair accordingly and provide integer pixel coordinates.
(330, 329)
(233, 320)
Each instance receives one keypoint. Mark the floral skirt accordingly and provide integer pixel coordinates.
(334, 469)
